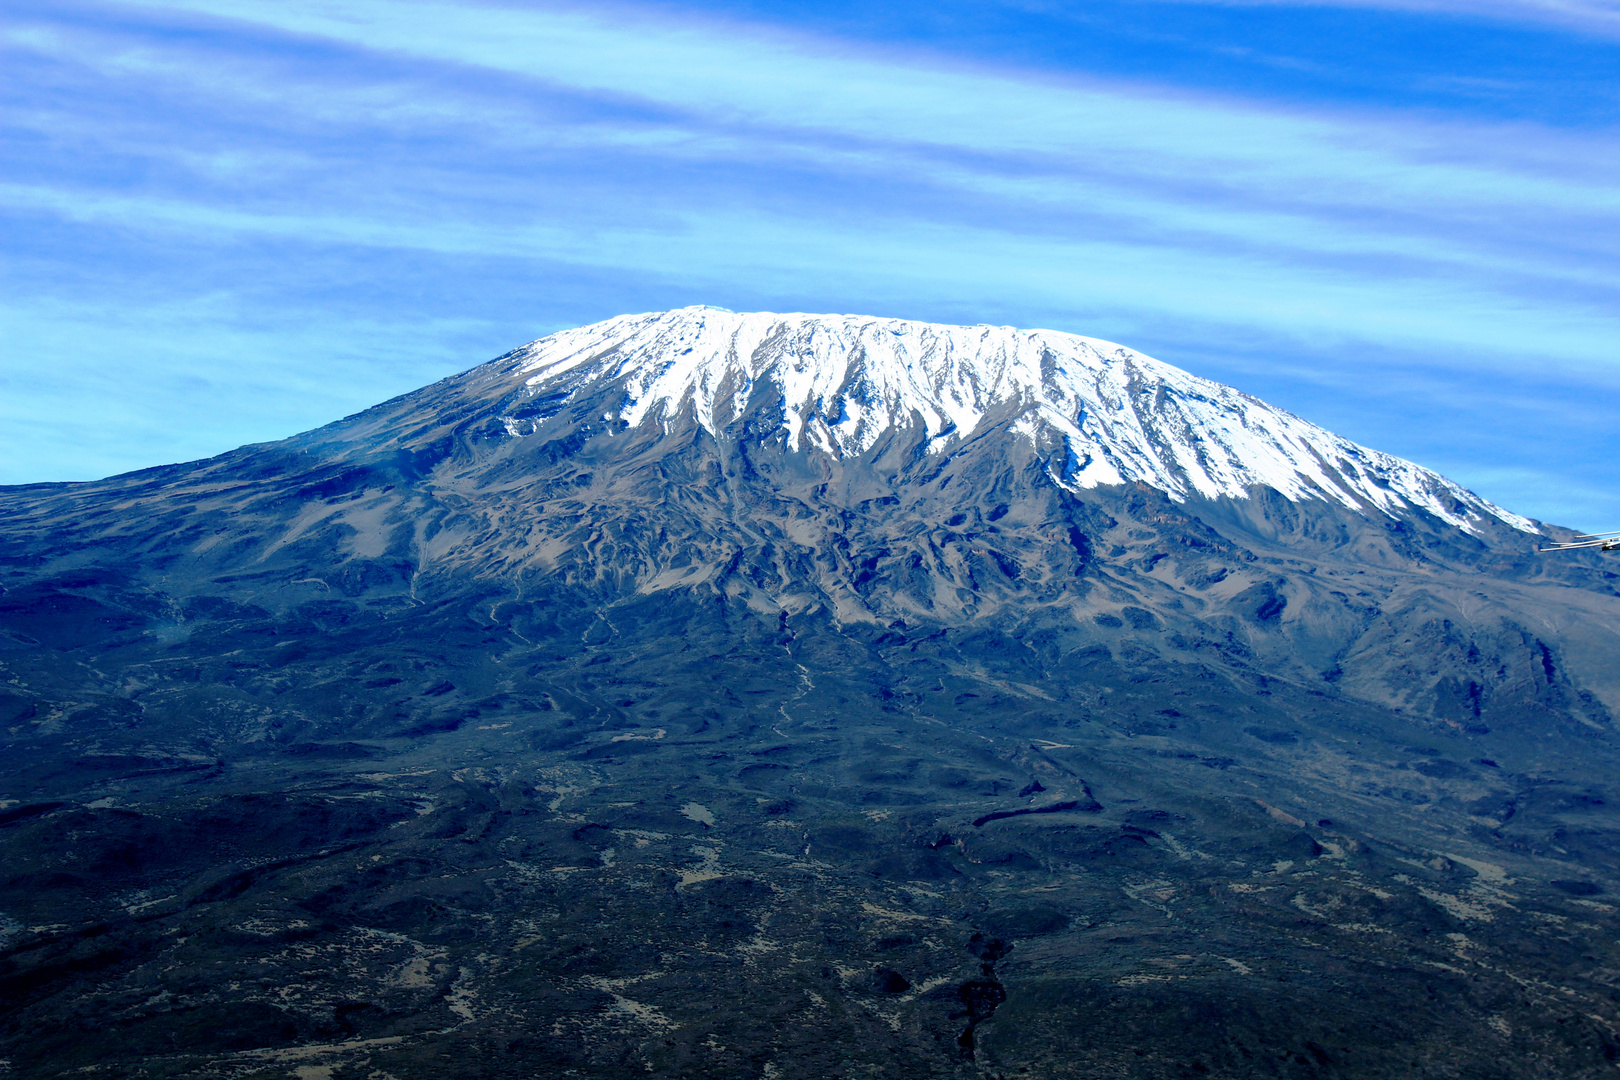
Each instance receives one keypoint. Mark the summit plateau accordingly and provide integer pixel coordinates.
(752, 695)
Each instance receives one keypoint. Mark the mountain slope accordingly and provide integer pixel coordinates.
(713, 694)
(675, 452)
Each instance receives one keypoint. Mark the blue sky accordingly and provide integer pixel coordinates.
(225, 221)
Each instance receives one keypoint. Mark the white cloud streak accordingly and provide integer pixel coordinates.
(953, 261)
(1465, 235)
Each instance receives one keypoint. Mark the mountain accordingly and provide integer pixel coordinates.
(716, 694)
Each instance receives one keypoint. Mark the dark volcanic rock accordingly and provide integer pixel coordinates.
(538, 724)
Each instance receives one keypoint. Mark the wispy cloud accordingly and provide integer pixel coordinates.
(1481, 222)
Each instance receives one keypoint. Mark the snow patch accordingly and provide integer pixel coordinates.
(1112, 415)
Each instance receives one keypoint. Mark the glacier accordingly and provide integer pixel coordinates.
(1119, 416)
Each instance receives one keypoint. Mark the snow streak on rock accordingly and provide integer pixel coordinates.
(1108, 414)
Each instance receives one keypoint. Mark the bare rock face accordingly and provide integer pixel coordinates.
(785, 695)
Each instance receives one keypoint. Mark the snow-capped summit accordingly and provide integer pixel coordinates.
(1123, 417)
